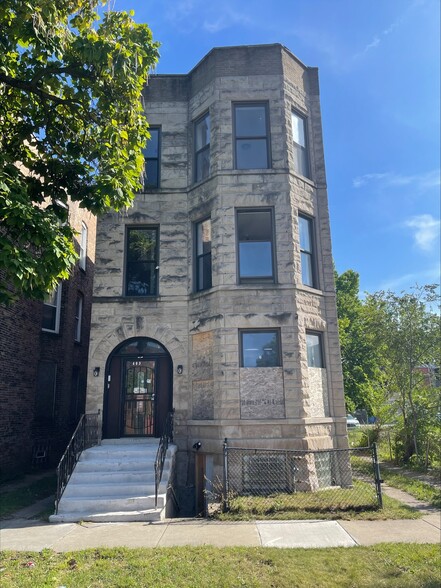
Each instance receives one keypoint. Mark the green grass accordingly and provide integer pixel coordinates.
(391, 565)
(420, 490)
(25, 496)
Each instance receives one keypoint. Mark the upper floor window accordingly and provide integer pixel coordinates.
(314, 349)
(78, 317)
(142, 261)
(300, 145)
(202, 148)
(45, 390)
(307, 253)
(83, 246)
(203, 255)
(251, 136)
(51, 311)
(152, 158)
(260, 348)
(255, 244)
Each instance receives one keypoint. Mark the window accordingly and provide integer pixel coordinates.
(314, 350)
(307, 256)
(45, 393)
(78, 317)
(203, 255)
(51, 311)
(202, 148)
(255, 245)
(142, 262)
(300, 147)
(251, 136)
(151, 155)
(75, 395)
(260, 348)
(83, 247)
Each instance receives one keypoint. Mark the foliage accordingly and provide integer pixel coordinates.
(407, 333)
(73, 126)
(395, 565)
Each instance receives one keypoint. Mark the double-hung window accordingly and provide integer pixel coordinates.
(141, 277)
(51, 311)
(300, 145)
(83, 247)
(251, 131)
(314, 349)
(202, 148)
(203, 254)
(307, 253)
(255, 245)
(152, 158)
(78, 317)
(260, 348)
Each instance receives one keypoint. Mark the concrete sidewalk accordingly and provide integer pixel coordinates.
(33, 535)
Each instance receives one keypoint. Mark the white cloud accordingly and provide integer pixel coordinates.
(428, 276)
(422, 182)
(229, 18)
(426, 231)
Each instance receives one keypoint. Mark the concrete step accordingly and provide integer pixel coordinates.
(110, 490)
(120, 465)
(106, 477)
(93, 504)
(147, 515)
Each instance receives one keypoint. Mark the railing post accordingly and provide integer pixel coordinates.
(225, 505)
(377, 475)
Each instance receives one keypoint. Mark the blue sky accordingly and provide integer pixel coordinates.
(379, 66)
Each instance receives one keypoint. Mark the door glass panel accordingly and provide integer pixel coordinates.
(139, 397)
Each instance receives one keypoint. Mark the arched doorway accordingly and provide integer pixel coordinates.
(139, 389)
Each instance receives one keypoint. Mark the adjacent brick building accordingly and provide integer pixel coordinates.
(214, 295)
(43, 362)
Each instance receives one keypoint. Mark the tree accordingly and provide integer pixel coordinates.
(359, 358)
(407, 335)
(72, 126)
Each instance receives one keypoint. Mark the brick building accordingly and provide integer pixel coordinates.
(214, 295)
(43, 362)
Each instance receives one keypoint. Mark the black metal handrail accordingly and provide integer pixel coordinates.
(85, 435)
(165, 439)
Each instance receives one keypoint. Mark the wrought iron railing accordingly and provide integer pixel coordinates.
(86, 434)
(166, 438)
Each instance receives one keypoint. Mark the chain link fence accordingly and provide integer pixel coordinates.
(261, 482)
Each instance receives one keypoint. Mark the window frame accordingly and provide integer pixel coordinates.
(57, 307)
(155, 261)
(267, 136)
(206, 147)
(275, 331)
(83, 246)
(257, 279)
(149, 187)
(79, 307)
(319, 335)
(297, 147)
(198, 257)
(312, 253)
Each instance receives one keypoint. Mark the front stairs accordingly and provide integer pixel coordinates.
(115, 482)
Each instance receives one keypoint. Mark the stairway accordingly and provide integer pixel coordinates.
(115, 482)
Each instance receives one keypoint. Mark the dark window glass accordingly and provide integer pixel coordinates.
(78, 317)
(142, 262)
(203, 255)
(307, 251)
(314, 350)
(151, 155)
(45, 393)
(202, 148)
(260, 349)
(300, 147)
(255, 241)
(251, 140)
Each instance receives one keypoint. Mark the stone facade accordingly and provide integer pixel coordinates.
(285, 405)
(36, 423)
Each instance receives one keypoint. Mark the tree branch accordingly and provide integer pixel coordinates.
(30, 87)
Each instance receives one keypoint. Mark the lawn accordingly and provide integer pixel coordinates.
(392, 565)
(26, 495)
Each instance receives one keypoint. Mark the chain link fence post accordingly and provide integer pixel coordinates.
(377, 475)
(225, 505)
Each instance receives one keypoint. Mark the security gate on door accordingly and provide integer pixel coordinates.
(139, 386)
